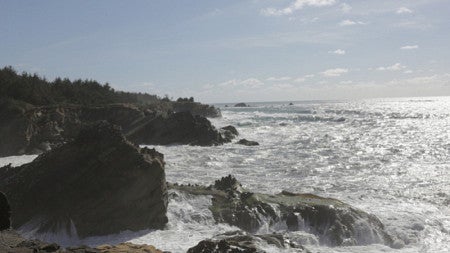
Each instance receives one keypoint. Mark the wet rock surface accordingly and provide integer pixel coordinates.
(97, 184)
(333, 222)
(241, 105)
(5, 212)
(229, 133)
(246, 142)
(242, 242)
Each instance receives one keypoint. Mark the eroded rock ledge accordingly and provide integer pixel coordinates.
(335, 223)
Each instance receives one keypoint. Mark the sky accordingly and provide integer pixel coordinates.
(236, 50)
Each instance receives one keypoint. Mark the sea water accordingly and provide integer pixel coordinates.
(388, 157)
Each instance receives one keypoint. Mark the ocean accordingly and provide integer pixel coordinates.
(389, 157)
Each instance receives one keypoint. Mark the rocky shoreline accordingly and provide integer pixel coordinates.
(99, 183)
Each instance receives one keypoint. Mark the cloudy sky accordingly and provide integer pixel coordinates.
(227, 51)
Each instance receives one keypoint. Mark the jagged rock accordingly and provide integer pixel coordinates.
(229, 133)
(332, 221)
(128, 247)
(196, 108)
(178, 128)
(5, 212)
(28, 129)
(241, 105)
(97, 184)
(246, 142)
(241, 242)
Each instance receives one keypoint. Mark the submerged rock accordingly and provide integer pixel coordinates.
(246, 142)
(97, 184)
(5, 212)
(332, 221)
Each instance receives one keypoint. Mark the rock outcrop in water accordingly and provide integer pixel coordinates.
(332, 221)
(229, 133)
(27, 129)
(242, 242)
(5, 212)
(97, 184)
(177, 128)
(246, 142)
(241, 105)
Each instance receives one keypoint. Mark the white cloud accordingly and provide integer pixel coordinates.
(247, 83)
(297, 5)
(303, 78)
(278, 79)
(404, 10)
(345, 7)
(349, 22)
(338, 52)
(408, 71)
(409, 47)
(300, 80)
(395, 67)
(334, 72)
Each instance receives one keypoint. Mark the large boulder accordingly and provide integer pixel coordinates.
(97, 184)
(5, 212)
(335, 223)
(177, 128)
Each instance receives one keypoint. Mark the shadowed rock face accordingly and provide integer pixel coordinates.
(178, 128)
(97, 184)
(28, 129)
(334, 222)
(5, 212)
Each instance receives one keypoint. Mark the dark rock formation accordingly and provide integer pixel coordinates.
(12, 242)
(5, 212)
(27, 129)
(291, 104)
(177, 128)
(97, 184)
(229, 133)
(247, 142)
(333, 221)
(197, 109)
(241, 105)
(241, 242)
